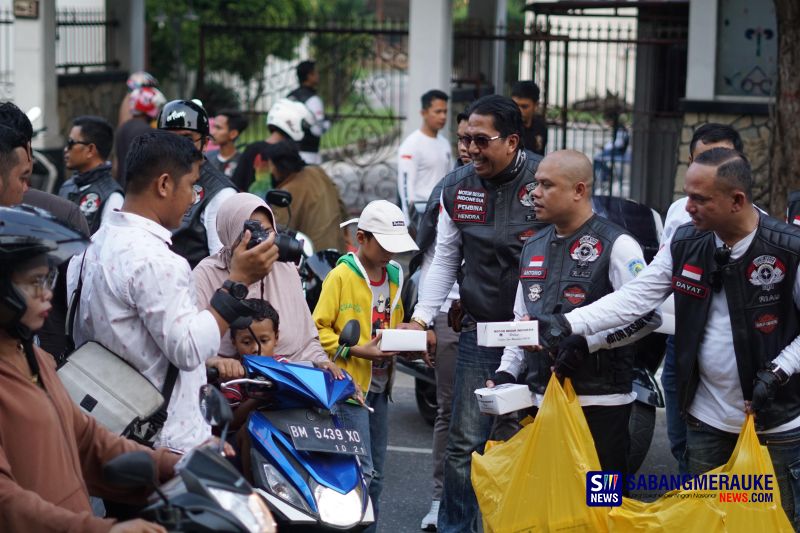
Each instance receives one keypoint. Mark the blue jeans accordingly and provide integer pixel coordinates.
(676, 427)
(469, 430)
(708, 448)
(379, 440)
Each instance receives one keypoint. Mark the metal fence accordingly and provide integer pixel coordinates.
(362, 69)
(84, 41)
(6, 54)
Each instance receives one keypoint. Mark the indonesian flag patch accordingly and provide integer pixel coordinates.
(692, 272)
(796, 220)
(536, 261)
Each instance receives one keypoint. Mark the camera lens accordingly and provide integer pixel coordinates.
(290, 250)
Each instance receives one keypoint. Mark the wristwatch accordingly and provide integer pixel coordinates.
(236, 289)
(782, 376)
(420, 322)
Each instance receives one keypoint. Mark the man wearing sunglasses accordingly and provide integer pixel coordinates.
(489, 215)
(734, 274)
(92, 187)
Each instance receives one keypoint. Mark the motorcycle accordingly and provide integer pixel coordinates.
(645, 226)
(207, 494)
(303, 461)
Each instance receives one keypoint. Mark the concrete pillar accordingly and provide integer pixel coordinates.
(430, 54)
(702, 68)
(129, 37)
(501, 21)
(35, 82)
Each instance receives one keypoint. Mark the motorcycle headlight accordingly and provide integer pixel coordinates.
(280, 487)
(337, 509)
(247, 508)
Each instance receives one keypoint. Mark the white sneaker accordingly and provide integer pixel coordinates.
(429, 522)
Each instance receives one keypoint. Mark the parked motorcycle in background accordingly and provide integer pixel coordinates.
(207, 494)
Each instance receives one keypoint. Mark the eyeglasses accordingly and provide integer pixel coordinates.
(481, 141)
(722, 257)
(73, 142)
(36, 286)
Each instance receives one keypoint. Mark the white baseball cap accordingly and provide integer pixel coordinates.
(386, 221)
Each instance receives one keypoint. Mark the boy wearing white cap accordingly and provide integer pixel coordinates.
(366, 286)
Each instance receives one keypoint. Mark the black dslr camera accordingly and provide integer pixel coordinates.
(290, 250)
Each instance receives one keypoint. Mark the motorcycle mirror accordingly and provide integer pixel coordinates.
(131, 470)
(214, 406)
(34, 113)
(279, 198)
(350, 333)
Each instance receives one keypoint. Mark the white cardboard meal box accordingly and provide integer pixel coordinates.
(504, 398)
(522, 333)
(403, 340)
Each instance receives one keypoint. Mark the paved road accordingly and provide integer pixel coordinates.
(407, 489)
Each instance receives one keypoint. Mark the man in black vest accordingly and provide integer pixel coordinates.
(197, 236)
(489, 215)
(733, 272)
(576, 260)
(92, 187)
(308, 77)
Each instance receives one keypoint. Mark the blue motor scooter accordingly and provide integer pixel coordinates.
(303, 461)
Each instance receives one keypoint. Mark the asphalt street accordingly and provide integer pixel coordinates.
(407, 489)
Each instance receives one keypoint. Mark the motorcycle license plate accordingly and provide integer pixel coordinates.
(314, 437)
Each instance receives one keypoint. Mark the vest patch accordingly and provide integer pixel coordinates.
(534, 292)
(525, 194)
(766, 323)
(525, 235)
(765, 271)
(470, 206)
(687, 287)
(575, 295)
(586, 250)
(769, 298)
(199, 193)
(533, 273)
(89, 203)
(582, 273)
(692, 272)
(796, 220)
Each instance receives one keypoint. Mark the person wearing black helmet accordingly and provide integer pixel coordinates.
(51, 453)
(197, 237)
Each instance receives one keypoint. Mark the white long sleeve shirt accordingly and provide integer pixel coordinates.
(719, 401)
(139, 301)
(625, 263)
(422, 162)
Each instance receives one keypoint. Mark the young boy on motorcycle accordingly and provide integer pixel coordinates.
(366, 286)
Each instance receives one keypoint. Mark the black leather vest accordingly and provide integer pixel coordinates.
(572, 272)
(310, 142)
(190, 240)
(90, 191)
(764, 319)
(793, 208)
(495, 218)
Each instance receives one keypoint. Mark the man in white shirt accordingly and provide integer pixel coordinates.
(706, 137)
(306, 94)
(734, 275)
(578, 259)
(424, 157)
(138, 298)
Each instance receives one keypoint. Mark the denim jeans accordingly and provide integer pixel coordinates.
(676, 427)
(379, 440)
(708, 448)
(469, 430)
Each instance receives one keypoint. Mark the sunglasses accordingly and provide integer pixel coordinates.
(722, 257)
(73, 142)
(481, 141)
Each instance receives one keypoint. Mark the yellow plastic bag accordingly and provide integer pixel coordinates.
(702, 511)
(536, 481)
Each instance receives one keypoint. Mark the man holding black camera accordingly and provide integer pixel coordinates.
(138, 297)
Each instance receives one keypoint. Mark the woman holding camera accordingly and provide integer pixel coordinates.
(51, 452)
(281, 287)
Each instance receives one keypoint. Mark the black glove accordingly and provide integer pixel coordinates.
(501, 378)
(572, 351)
(552, 329)
(233, 311)
(765, 386)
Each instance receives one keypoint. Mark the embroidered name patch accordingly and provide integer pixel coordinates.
(687, 287)
(470, 206)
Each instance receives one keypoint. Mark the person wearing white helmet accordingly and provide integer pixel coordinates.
(144, 104)
(290, 120)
